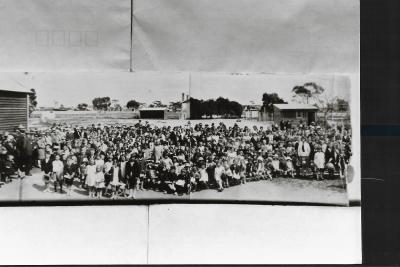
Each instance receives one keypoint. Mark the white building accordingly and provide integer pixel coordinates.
(250, 112)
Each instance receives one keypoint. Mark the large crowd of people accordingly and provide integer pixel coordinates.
(118, 160)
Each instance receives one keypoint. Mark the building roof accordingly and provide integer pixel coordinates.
(16, 91)
(153, 109)
(295, 106)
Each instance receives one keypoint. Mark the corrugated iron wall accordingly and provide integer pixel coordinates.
(13, 110)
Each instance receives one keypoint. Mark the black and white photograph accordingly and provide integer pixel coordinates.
(180, 131)
(282, 138)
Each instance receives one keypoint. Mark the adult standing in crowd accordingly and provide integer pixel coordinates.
(24, 147)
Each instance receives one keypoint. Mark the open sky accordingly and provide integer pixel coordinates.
(71, 89)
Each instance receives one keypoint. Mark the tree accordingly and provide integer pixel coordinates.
(196, 111)
(82, 106)
(222, 106)
(307, 91)
(101, 103)
(157, 104)
(116, 107)
(269, 100)
(209, 108)
(133, 104)
(32, 101)
(175, 105)
(235, 109)
(342, 105)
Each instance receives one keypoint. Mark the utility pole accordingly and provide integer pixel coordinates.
(190, 85)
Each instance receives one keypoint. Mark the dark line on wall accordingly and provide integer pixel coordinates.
(131, 43)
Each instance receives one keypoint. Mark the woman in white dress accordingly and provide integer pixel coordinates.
(91, 178)
(115, 179)
(219, 170)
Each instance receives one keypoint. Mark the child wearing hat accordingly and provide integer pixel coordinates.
(289, 167)
(276, 170)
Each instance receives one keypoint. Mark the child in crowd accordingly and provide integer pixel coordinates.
(289, 167)
(219, 171)
(169, 181)
(69, 173)
(181, 182)
(58, 168)
(9, 168)
(83, 173)
(99, 182)
(275, 166)
(47, 167)
(203, 181)
(319, 161)
(91, 178)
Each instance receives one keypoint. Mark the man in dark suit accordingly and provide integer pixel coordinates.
(24, 145)
(133, 169)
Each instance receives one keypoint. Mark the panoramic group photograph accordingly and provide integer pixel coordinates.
(182, 136)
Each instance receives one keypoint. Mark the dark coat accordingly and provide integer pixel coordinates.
(133, 169)
(47, 167)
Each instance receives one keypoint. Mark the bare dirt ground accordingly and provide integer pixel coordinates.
(278, 190)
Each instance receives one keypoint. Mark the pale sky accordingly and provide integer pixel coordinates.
(71, 89)
(291, 36)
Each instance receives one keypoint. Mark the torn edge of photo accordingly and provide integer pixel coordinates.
(153, 137)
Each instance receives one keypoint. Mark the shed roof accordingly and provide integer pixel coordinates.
(295, 106)
(153, 109)
(16, 91)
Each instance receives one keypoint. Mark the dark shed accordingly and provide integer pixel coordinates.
(14, 109)
(296, 113)
(153, 113)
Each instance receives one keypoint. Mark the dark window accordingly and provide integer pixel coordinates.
(289, 114)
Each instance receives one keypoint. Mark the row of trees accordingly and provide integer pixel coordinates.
(220, 107)
(105, 103)
(308, 93)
